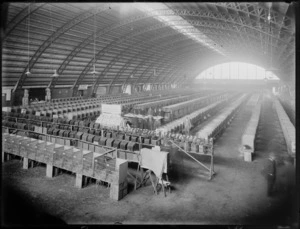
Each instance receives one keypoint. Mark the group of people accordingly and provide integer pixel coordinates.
(34, 100)
(144, 122)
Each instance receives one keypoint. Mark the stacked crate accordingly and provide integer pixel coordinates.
(59, 155)
(33, 148)
(51, 149)
(16, 142)
(103, 167)
(27, 145)
(77, 161)
(87, 163)
(40, 151)
(118, 188)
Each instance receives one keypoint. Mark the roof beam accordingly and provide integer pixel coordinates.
(73, 22)
(126, 22)
(21, 16)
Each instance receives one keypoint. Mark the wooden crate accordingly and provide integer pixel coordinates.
(122, 154)
(77, 161)
(118, 192)
(87, 165)
(26, 146)
(67, 162)
(15, 145)
(33, 149)
(91, 147)
(100, 149)
(51, 148)
(8, 142)
(59, 154)
(118, 188)
(85, 146)
(40, 152)
(99, 167)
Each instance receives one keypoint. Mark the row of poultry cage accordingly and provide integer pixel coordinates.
(221, 121)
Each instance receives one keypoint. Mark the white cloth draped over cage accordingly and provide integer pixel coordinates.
(111, 120)
(131, 115)
(111, 116)
(155, 160)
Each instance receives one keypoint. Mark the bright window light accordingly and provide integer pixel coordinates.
(237, 70)
(179, 24)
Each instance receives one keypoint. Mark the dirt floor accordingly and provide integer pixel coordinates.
(237, 195)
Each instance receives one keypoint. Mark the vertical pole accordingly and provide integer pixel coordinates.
(25, 163)
(49, 171)
(140, 145)
(78, 182)
(2, 152)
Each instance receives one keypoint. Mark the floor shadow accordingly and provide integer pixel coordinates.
(18, 210)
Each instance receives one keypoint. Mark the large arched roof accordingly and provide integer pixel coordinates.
(153, 42)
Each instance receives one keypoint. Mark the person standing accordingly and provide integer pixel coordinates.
(187, 126)
(150, 118)
(157, 122)
(271, 174)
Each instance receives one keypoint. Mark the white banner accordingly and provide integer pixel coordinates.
(82, 87)
(111, 108)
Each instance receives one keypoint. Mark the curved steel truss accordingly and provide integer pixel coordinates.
(128, 40)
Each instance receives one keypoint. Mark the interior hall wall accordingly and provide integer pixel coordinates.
(61, 93)
(6, 97)
(19, 93)
(87, 93)
(101, 91)
(116, 90)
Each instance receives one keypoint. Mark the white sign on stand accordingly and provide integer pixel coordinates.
(110, 116)
(83, 87)
(115, 109)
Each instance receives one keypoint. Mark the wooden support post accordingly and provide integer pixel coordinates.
(85, 181)
(49, 171)
(118, 191)
(140, 145)
(6, 157)
(78, 182)
(25, 163)
(31, 163)
(55, 171)
(3, 152)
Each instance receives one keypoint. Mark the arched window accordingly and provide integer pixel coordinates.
(237, 70)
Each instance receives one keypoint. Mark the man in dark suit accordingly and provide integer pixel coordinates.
(271, 173)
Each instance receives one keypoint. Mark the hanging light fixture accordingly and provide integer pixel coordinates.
(94, 72)
(55, 73)
(28, 25)
(271, 68)
(54, 70)
(155, 56)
